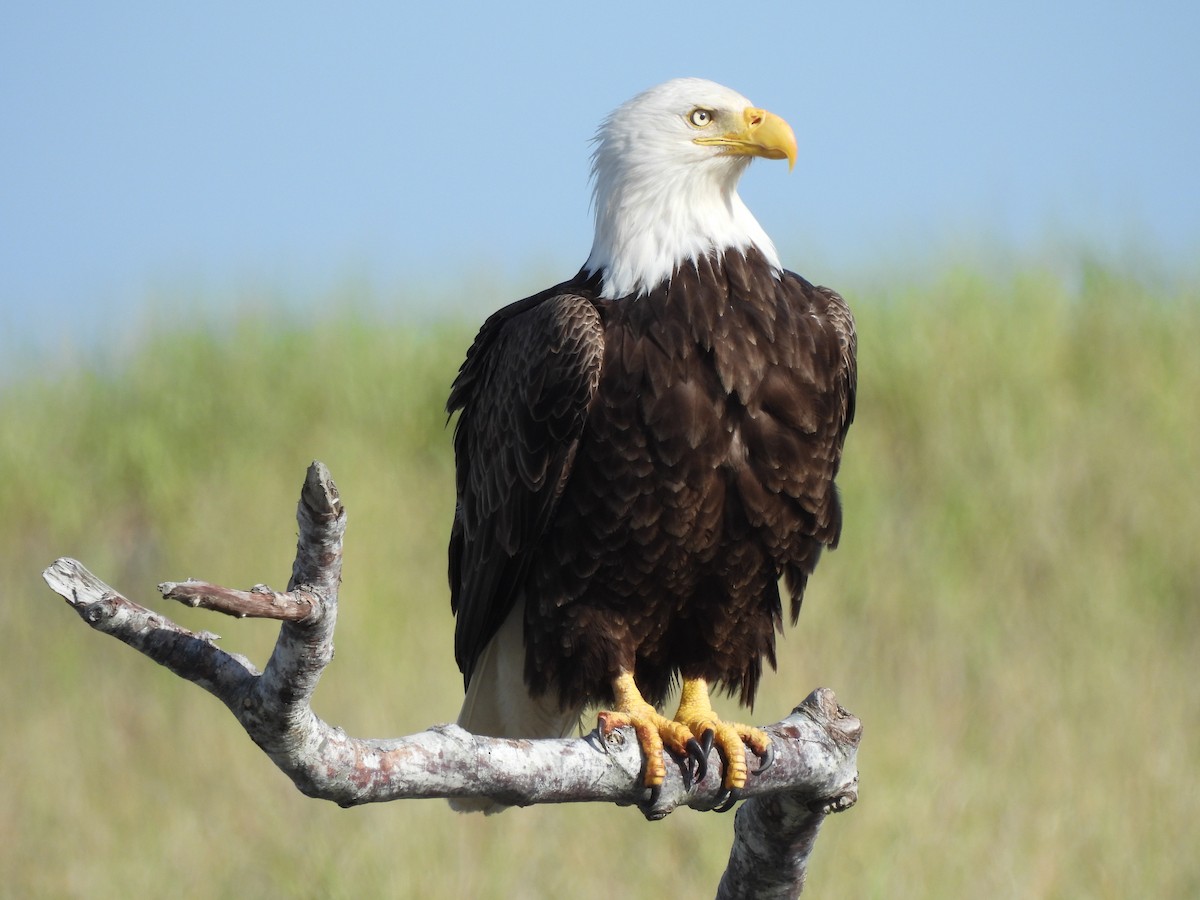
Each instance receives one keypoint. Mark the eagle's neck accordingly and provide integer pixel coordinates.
(648, 223)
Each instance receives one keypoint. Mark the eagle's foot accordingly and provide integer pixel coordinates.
(730, 738)
(655, 733)
(691, 736)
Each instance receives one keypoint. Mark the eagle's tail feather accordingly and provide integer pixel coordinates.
(498, 704)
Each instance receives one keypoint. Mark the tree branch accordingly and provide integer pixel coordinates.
(814, 772)
(260, 602)
(774, 833)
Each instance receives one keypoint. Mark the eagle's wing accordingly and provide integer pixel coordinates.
(523, 394)
(845, 372)
(823, 411)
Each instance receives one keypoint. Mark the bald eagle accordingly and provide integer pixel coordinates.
(645, 450)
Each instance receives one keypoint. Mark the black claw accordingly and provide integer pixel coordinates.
(655, 792)
(697, 761)
(706, 741)
(768, 760)
(727, 799)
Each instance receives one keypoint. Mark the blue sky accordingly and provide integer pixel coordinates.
(201, 151)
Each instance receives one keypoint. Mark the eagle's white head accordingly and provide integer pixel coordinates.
(665, 173)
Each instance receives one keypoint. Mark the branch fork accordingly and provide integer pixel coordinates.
(814, 773)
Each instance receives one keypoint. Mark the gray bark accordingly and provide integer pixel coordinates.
(814, 772)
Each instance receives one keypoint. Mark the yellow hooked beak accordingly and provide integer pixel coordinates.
(762, 134)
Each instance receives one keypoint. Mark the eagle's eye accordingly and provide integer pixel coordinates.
(700, 117)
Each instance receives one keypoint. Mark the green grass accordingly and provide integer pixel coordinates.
(1012, 613)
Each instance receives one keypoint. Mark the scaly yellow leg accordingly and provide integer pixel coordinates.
(730, 738)
(654, 730)
(693, 732)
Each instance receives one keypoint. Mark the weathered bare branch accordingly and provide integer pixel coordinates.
(260, 602)
(814, 772)
(774, 833)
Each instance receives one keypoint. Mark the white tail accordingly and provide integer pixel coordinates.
(498, 704)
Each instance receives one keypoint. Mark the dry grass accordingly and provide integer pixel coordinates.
(1012, 613)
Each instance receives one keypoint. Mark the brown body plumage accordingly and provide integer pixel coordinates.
(642, 471)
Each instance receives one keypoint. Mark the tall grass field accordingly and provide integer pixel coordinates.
(1014, 611)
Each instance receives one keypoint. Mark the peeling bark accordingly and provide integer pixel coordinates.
(814, 772)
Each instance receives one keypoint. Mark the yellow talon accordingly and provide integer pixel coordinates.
(694, 731)
(654, 730)
(730, 739)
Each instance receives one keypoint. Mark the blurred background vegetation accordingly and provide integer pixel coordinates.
(1013, 611)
